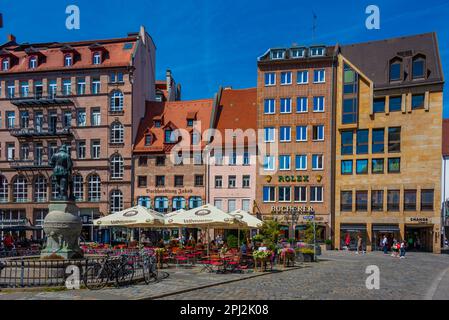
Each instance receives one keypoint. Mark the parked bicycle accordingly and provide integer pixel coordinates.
(149, 266)
(98, 275)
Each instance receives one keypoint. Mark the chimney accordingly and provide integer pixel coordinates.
(11, 38)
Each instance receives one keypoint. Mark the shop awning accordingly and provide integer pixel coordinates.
(353, 227)
(386, 228)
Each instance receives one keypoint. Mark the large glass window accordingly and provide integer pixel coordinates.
(40, 189)
(117, 167)
(286, 105)
(318, 104)
(178, 203)
(300, 194)
(270, 79)
(409, 200)
(144, 202)
(394, 165)
(350, 95)
(94, 188)
(317, 162)
(116, 201)
(78, 187)
(301, 162)
(418, 101)
(394, 139)
(377, 200)
(116, 103)
(301, 133)
(395, 71)
(285, 134)
(301, 105)
(270, 106)
(427, 200)
(346, 167)
(269, 194)
(303, 77)
(395, 104)
(20, 189)
(319, 76)
(161, 204)
(393, 198)
(347, 140)
(361, 200)
(377, 166)
(269, 163)
(346, 201)
(286, 78)
(284, 162)
(3, 189)
(362, 166)
(270, 134)
(117, 133)
(378, 141)
(318, 133)
(316, 194)
(379, 105)
(418, 68)
(285, 194)
(195, 202)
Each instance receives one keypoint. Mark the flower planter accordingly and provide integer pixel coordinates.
(305, 257)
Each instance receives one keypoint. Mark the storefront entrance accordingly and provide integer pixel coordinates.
(419, 238)
(392, 233)
(349, 235)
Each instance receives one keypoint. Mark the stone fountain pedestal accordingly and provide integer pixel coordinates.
(62, 227)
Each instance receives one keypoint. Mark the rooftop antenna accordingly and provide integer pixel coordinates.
(314, 26)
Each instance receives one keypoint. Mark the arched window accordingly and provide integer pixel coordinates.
(40, 189)
(78, 188)
(68, 60)
(117, 132)
(32, 62)
(116, 103)
(419, 67)
(94, 191)
(3, 189)
(116, 201)
(161, 204)
(144, 202)
(5, 64)
(179, 203)
(96, 58)
(396, 70)
(117, 167)
(20, 189)
(195, 202)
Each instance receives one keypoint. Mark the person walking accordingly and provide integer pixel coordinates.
(359, 245)
(394, 248)
(347, 241)
(402, 249)
(385, 244)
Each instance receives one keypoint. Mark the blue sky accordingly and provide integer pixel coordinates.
(208, 43)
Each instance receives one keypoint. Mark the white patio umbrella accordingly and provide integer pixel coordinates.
(135, 217)
(206, 216)
(251, 221)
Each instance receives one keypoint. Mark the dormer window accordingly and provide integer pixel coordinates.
(395, 70)
(419, 67)
(277, 54)
(32, 63)
(148, 139)
(68, 60)
(190, 122)
(317, 52)
(5, 64)
(168, 136)
(297, 53)
(96, 58)
(157, 123)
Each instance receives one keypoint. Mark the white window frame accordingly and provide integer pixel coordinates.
(117, 167)
(313, 194)
(116, 201)
(94, 188)
(96, 149)
(314, 167)
(272, 189)
(283, 130)
(285, 162)
(300, 103)
(301, 200)
(286, 78)
(40, 189)
(20, 189)
(319, 104)
(296, 56)
(78, 187)
(96, 117)
(271, 79)
(271, 134)
(317, 73)
(303, 156)
(284, 188)
(320, 129)
(117, 133)
(3, 189)
(302, 73)
(96, 58)
(285, 105)
(116, 101)
(271, 104)
(300, 131)
(269, 163)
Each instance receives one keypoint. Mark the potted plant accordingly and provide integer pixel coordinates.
(305, 254)
(328, 244)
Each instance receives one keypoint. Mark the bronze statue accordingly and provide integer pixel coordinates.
(61, 163)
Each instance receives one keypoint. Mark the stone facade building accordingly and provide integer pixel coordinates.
(294, 110)
(89, 95)
(388, 143)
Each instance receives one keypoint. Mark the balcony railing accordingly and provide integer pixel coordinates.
(35, 133)
(39, 99)
(29, 165)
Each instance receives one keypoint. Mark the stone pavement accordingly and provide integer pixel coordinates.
(338, 275)
(341, 275)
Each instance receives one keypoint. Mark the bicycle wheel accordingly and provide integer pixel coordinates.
(163, 275)
(96, 277)
(125, 274)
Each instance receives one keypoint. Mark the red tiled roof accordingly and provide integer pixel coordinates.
(237, 110)
(445, 137)
(175, 113)
(53, 55)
